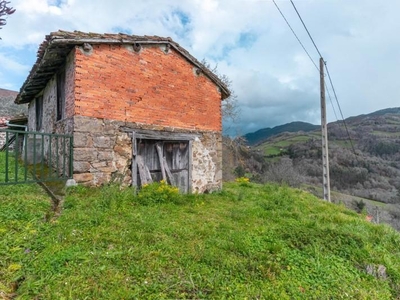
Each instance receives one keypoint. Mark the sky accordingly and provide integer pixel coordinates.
(248, 40)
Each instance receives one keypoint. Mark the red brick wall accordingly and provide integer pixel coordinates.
(148, 87)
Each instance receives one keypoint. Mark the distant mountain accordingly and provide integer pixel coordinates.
(378, 113)
(7, 106)
(262, 135)
(367, 166)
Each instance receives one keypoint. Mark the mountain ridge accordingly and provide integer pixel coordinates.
(8, 108)
(367, 166)
(261, 135)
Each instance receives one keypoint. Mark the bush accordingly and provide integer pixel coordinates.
(283, 172)
(243, 181)
(158, 192)
(239, 171)
(359, 205)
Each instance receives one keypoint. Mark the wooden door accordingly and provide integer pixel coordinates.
(172, 159)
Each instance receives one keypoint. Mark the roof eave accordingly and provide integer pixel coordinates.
(53, 41)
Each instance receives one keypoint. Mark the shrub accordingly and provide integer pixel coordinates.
(239, 171)
(284, 172)
(243, 181)
(158, 192)
(359, 205)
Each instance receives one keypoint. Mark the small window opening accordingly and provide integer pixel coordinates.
(39, 112)
(61, 95)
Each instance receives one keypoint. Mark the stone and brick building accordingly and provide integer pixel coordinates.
(139, 108)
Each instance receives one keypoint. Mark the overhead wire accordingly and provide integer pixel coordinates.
(287, 22)
(312, 40)
(330, 79)
(340, 109)
(308, 54)
(330, 100)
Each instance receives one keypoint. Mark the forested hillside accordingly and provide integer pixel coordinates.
(262, 135)
(7, 106)
(366, 166)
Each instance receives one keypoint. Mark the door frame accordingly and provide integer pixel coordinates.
(164, 136)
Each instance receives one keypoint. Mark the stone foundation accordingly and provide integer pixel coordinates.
(103, 153)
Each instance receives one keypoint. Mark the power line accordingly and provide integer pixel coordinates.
(330, 100)
(320, 55)
(305, 50)
(305, 28)
(329, 76)
(340, 110)
(296, 35)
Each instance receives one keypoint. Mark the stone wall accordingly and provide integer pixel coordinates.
(50, 123)
(49, 96)
(103, 153)
(207, 162)
(3, 121)
(2, 139)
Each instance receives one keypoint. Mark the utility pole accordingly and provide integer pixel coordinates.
(324, 129)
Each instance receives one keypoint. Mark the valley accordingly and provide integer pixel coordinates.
(364, 170)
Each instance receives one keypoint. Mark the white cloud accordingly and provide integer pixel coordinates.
(12, 65)
(251, 43)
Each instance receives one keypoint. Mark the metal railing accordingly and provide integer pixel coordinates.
(30, 157)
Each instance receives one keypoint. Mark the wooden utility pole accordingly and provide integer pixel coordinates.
(324, 129)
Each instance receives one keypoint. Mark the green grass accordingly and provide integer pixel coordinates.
(278, 146)
(18, 173)
(248, 241)
(343, 143)
(23, 209)
(386, 133)
(13, 167)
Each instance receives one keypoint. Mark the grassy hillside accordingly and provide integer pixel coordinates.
(368, 167)
(261, 135)
(280, 144)
(248, 241)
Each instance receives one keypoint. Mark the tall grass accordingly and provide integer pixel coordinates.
(248, 241)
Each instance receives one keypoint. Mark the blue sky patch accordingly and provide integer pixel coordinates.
(246, 39)
(119, 29)
(185, 20)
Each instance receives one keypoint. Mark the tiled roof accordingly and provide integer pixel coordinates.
(56, 46)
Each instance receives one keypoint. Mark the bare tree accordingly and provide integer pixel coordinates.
(283, 171)
(230, 109)
(5, 10)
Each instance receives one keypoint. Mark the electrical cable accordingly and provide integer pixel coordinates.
(306, 28)
(330, 100)
(320, 55)
(330, 79)
(340, 109)
(296, 35)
